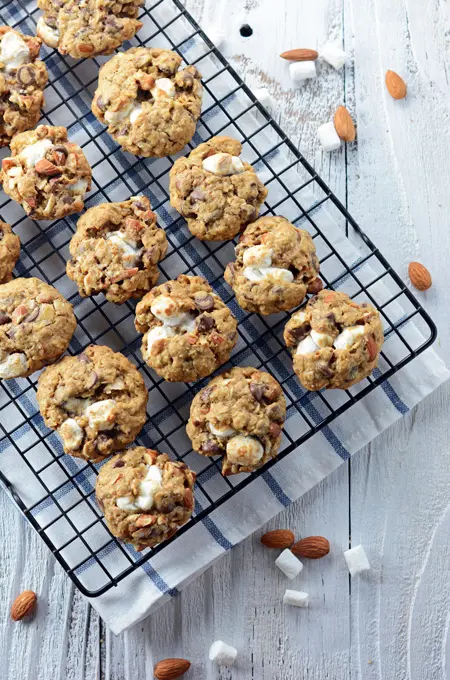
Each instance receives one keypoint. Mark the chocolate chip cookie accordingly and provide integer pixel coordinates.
(36, 325)
(23, 78)
(116, 249)
(96, 401)
(145, 496)
(276, 265)
(335, 342)
(240, 415)
(150, 106)
(217, 193)
(46, 173)
(9, 251)
(188, 330)
(85, 28)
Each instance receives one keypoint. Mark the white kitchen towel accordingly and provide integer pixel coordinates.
(58, 488)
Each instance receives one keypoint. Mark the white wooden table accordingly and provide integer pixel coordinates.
(393, 497)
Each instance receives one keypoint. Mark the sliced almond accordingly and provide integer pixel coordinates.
(44, 167)
(300, 55)
(344, 125)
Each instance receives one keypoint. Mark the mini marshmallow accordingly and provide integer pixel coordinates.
(163, 87)
(159, 333)
(33, 153)
(276, 274)
(135, 112)
(296, 598)
(356, 559)
(221, 432)
(102, 414)
(71, 433)
(264, 96)
(348, 337)
(223, 164)
(13, 51)
(78, 187)
(244, 450)
(306, 346)
(166, 310)
(321, 339)
(126, 246)
(222, 654)
(289, 564)
(148, 487)
(76, 405)
(117, 116)
(258, 256)
(328, 137)
(302, 70)
(48, 34)
(13, 366)
(333, 55)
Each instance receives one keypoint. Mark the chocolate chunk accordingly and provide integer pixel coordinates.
(25, 75)
(4, 318)
(102, 103)
(211, 448)
(205, 323)
(331, 318)
(198, 195)
(325, 370)
(300, 332)
(315, 286)
(275, 430)
(119, 464)
(204, 304)
(257, 391)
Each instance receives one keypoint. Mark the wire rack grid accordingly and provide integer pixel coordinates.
(61, 505)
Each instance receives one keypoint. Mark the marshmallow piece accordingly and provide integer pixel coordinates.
(302, 70)
(333, 55)
(75, 405)
(321, 339)
(264, 96)
(33, 153)
(221, 432)
(222, 653)
(306, 346)
(223, 164)
(348, 337)
(356, 559)
(48, 34)
(13, 366)
(166, 310)
(126, 246)
(328, 137)
(72, 434)
(78, 187)
(117, 116)
(244, 450)
(135, 112)
(296, 598)
(289, 564)
(163, 87)
(148, 487)
(258, 256)
(158, 333)
(13, 51)
(277, 274)
(102, 414)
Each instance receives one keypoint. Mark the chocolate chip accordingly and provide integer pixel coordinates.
(204, 304)
(67, 199)
(102, 442)
(275, 430)
(299, 333)
(4, 318)
(205, 323)
(102, 103)
(257, 391)
(211, 448)
(331, 318)
(26, 76)
(119, 464)
(325, 370)
(315, 286)
(198, 195)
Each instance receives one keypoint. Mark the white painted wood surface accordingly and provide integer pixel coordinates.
(393, 497)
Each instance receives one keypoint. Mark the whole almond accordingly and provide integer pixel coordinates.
(313, 547)
(420, 276)
(280, 538)
(170, 669)
(23, 605)
(396, 86)
(344, 125)
(300, 55)
(44, 167)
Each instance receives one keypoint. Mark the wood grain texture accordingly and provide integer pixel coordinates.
(393, 623)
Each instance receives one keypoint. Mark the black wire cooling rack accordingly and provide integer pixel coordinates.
(60, 504)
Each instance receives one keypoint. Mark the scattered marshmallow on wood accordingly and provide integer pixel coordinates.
(302, 70)
(328, 137)
(356, 559)
(289, 564)
(222, 654)
(264, 96)
(333, 55)
(296, 598)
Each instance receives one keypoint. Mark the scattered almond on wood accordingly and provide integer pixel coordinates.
(313, 547)
(170, 669)
(420, 276)
(344, 125)
(300, 55)
(280, 538)
(396, 85)
(23, 605)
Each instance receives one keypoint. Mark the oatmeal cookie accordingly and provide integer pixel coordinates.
(22, 82)
(9, 251)
(36, 325)
(335, 342)
(116, 249)
(239, 414)
(96, 401)
(216, 192)
(46, 173)
(189, 330)
(276, 265)
(85, 28)
(150, 107)
(145, 496)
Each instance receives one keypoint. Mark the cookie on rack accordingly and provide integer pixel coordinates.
(36, 325)
(145, 496)
(188, 330)
(96, 401)
(335, 342)
(216, 192)
(9, 251)
(116, 250)
(150, 106)
(276, 265)
(46, 173)
(240, 415)
(86, 28)
(23, 78)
